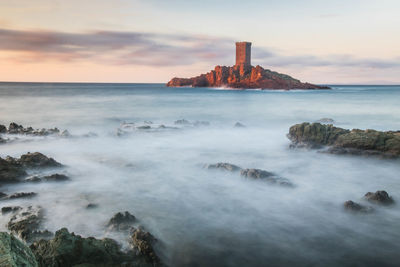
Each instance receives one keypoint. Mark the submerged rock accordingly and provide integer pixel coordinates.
(355, 207)
(5, 210)
(265, 175)
(223, 166)
(68, 249)
(14, 253)
(26, 223)
(182, 122)
(379, 197)
(21, 195)
(37, 160)
(239, 125)
(343, 141)
(91, 206)
(142, 242)
(121, 222)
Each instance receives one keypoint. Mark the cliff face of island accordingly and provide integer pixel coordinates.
(243, 76)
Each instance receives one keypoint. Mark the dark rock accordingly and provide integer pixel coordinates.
(3, 129)
(144, 127)
(14, 128)
(223, 166)
(2, 194)
(142, 242)
(342, 141)
(379, 197)
(26, 223)
(239, 125)
(33, 179)
(91, 206)
(37, 160)
(265, 175)
(355, 207)
(14, 253)
(10, 171)
(21, 195)
(5, 210)
(56, 177)
(121, 221)
(68, 249)
(182, 122)
(243, 76)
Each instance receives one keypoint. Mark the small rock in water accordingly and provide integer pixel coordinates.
(142, 242)
(379, 197)
(121, 221)
(143, 127)
(223, 166)
(355, 207)
(239, 125)
(2, 194)
(91, 206)
(3, 129)
(21, 195)
(182, 122)
(326, 120)
(5, 210)
(265, 175)
(56, 177)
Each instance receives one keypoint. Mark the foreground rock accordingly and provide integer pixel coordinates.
(121, 222)
(243, 76)
(26, 223)
(14, 253)
(265, 175)
(142, 242)
(356, 207)
(379, 197)
(343, 141)
(223, 166)
(68, 249)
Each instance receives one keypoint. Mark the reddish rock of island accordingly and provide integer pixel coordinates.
(243, 75)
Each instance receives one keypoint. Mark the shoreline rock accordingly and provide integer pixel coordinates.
(14, 253)
(379, 197)
(342, 141)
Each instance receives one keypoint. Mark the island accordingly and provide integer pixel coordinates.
(243, 76)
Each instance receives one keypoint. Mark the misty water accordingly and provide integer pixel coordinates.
(204, 217)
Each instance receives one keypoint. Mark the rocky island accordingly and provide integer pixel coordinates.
(243, 75)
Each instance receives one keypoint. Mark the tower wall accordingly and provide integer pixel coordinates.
(243, 53)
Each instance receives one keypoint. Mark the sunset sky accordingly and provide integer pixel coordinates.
(338, 41)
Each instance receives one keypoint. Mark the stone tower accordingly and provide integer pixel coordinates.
(243, 53)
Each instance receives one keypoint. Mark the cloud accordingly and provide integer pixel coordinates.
(152, 49)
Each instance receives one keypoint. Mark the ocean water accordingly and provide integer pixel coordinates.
(203, 217)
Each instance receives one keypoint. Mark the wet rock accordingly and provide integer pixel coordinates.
(142, 242)
(26, 222)
(3, 129)
(265, 175)
(143, 127)
(5, 210)
(326, 120)
(239, 125)
(121, 222)
(343, 141)
(37, 160)
(182, 122)
(14, 128)
(91, 206)
(68, 249)
(33, 179)
(56, 177)
(2, 194)
(379, 197)
(223, 166)
(10, 171)
(21, 195)
(355, 207)
(14, 253)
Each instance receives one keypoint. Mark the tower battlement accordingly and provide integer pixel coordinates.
(243, 53)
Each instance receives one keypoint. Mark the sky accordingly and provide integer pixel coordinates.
(324, 42)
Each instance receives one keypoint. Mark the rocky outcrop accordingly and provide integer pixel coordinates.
(265, 175)
(356, 207)
(379, 197)
(10, 171)
(243, 76)
(15, 128)
(68, 249)
(121, 222)
(14, 253)
(37, 160)
(21, 195)
(48, 178)
(223, 166)
(5, 210)
(343, 141)
(26, 223)
(142, 242)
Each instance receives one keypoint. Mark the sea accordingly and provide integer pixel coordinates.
(204, 217)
